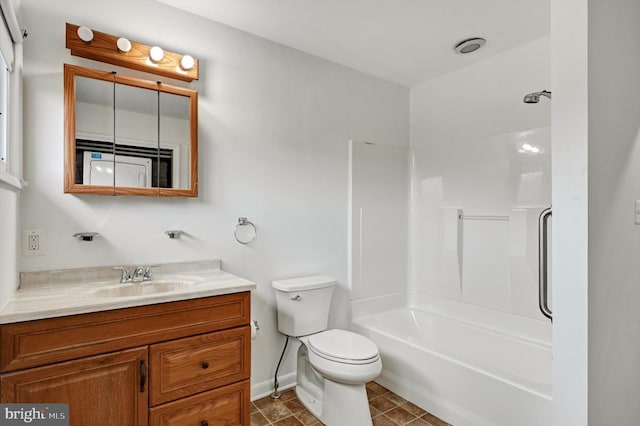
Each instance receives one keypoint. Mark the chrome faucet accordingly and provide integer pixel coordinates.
(141, 273)
(126, 275)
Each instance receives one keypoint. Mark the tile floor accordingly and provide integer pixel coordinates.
(387, 409)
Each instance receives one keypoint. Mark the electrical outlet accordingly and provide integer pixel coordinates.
(33, 242)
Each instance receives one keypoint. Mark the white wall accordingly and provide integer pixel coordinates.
(479, 150)
(569, 33)
(273, 130)
(9, 201)
(614, 239)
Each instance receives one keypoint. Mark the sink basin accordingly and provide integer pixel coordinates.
(144, 288)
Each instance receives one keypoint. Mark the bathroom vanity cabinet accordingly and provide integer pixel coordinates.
(177, 363)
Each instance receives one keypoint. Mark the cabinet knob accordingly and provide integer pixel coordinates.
(205, 423)
(205, 365)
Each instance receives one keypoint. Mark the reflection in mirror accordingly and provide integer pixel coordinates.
(136, 152)
(132, 161)
(174, 141)
(94, 132)
(127, 136)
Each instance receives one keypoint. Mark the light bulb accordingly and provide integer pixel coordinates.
(85, 34)
(156, 54)
(123, 44)
(187, 62)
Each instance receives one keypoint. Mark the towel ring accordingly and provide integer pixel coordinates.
(247, 237)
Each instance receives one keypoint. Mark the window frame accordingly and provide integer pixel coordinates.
(11, 168)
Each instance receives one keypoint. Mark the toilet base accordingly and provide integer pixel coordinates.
(341, 405)
(335, 404)
(345, 405)
(311, 403)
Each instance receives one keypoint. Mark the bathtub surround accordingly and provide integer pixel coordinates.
(445, 263)
(495, 167)
(462, 336)
(378, 221)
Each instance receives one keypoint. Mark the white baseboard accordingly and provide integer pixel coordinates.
(262, 389)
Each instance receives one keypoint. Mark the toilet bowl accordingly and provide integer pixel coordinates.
(344, 356)
(333, 366)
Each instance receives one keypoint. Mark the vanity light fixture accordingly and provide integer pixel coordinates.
(85, 34)
(124, 45)
(116, 50)
(156, 54)
(85, 236)
(187, 62)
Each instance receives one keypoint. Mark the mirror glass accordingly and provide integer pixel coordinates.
(174, 141)
(136, 150)
(94, 132)
(128, 136)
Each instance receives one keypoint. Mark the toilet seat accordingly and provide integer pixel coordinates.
(344, 347)
(343, 357)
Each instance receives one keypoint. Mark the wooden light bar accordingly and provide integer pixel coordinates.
(104, 48)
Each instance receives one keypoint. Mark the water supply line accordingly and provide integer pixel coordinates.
(276, 393)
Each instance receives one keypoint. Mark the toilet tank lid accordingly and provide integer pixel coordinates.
(304, 283)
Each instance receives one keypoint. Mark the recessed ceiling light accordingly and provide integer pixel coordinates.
(470, 45)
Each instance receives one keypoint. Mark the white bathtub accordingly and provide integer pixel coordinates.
(466, 374)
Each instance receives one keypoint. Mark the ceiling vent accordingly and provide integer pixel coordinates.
(470, 45)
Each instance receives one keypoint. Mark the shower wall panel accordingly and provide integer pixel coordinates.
(378, 219)
(479, 150)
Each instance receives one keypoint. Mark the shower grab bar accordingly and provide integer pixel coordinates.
(482, 217)
(543, 282)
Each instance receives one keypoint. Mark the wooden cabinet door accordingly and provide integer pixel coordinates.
(103, 390)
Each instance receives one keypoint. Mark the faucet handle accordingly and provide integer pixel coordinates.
(126, 275)
(148, 274)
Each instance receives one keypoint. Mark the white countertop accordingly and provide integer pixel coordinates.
(58, 298)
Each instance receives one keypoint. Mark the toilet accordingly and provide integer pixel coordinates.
(333, 366)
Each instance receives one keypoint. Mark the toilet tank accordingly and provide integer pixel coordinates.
(303, 304)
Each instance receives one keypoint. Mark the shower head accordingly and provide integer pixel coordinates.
(534, 98)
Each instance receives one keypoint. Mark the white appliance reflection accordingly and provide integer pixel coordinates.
(98, 169)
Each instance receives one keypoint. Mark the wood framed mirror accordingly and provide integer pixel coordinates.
(128, 136)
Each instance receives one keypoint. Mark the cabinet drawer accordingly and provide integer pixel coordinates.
(226, 406)
(35, 343)
(196, 364)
